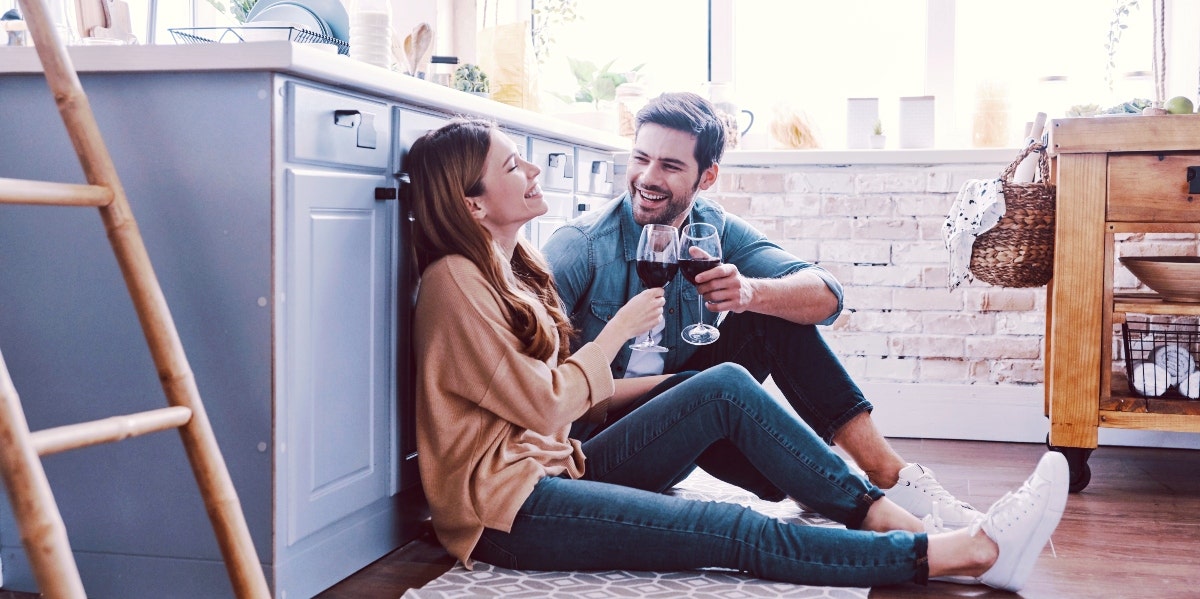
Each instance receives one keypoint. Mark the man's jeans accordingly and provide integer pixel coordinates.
(800, 363)
(617, 518)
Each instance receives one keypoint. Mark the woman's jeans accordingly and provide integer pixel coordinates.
(807, 372)
(617, 518)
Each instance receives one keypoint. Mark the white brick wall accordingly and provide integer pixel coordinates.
(878, 229)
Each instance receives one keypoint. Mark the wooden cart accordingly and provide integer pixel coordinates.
(1115, 175)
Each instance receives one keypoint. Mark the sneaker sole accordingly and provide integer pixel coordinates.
(1057, 468)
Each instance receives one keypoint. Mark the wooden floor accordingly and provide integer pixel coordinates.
(1134, 532)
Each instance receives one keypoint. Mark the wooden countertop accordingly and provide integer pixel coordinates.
(1133, 133)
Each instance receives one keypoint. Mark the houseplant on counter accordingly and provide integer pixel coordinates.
(878, 140)
(592, 104)
(471, 79)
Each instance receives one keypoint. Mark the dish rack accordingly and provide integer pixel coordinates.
(227, 35)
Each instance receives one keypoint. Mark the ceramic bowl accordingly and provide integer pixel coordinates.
(1175, 278)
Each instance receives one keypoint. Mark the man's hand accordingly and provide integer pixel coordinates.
(725, 289)
(800, 297)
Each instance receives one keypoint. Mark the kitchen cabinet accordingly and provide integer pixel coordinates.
(1114, 176)
(268, 209)
(557, 161)
(595, 182)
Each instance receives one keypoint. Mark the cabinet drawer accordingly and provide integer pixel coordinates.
(1151, 188)
(331, 128)
(557, 162)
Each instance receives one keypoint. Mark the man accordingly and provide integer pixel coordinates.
(772, 299)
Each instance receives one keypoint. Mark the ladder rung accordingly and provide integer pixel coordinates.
(108, 430)
(24, 191)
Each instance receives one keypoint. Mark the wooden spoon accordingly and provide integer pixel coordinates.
(422, 37)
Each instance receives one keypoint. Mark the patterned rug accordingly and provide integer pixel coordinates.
(489, 581)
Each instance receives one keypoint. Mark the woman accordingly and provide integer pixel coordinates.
(497, 393)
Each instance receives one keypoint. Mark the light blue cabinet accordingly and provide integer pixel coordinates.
(268, 209)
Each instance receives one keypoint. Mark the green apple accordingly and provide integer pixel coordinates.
(1179, 105)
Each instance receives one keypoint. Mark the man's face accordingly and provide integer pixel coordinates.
(663, 175)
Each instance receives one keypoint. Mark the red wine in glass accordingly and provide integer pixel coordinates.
(657, 263)
(699, 250)
(656, 274)
(691, 267)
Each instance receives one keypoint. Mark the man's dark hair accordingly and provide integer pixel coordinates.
(690, 113)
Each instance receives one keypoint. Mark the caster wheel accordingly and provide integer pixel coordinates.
(1077, 457)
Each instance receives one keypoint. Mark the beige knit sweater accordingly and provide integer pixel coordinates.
(491, 421)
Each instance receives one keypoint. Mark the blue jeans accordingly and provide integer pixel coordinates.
(617, 518)
(807, 372)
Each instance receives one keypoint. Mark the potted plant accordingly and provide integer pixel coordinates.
(471, 79)
(597, 84)
(878, 139)
(597, 92)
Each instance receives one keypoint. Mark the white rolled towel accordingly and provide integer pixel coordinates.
(1176, 360)
(1190, 385)
(1149, 379)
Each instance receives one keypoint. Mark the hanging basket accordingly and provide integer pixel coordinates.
(1019, 250)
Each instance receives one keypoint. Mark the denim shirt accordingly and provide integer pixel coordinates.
(594, 261)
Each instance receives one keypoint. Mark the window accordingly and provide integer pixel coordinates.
(669, 38)
(170, 13)
(1017, 58)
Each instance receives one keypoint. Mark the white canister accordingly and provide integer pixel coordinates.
(861, 116)
(916, 122)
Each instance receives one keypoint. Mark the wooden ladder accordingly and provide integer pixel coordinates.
(43, 533)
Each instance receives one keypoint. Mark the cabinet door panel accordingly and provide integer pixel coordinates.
(336, 341)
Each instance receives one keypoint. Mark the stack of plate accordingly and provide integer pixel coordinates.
(371, 34)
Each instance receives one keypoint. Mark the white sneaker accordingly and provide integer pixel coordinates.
(923, 496)
(1021, 522)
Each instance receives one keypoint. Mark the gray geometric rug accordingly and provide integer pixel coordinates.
(489, 581)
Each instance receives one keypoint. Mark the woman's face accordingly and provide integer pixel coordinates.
(511, 194)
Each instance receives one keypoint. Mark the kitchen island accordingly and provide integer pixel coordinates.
(264, 180)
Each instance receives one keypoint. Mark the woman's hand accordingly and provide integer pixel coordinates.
(640, 314)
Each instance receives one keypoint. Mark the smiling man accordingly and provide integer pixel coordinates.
(772, 299)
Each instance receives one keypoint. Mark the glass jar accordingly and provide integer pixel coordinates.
(442, 70)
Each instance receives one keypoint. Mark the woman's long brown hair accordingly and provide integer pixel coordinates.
(445, 166)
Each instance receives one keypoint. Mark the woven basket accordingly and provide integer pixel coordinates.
(1019, 250)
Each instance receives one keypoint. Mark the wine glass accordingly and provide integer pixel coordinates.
(699, 250)
(657, 255)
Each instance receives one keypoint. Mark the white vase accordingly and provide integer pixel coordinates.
(877, 142)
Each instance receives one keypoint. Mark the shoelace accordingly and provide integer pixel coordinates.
(930, 486)
(999, 509)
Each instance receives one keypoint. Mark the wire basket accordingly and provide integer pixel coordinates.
(1160, 359)
(227, 35)
(1019, 250)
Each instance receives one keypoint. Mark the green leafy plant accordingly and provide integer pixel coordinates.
(546, 16)
(1115, 28)
(878, 130)
(597, 84)
(470, 78)
(238, 9)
